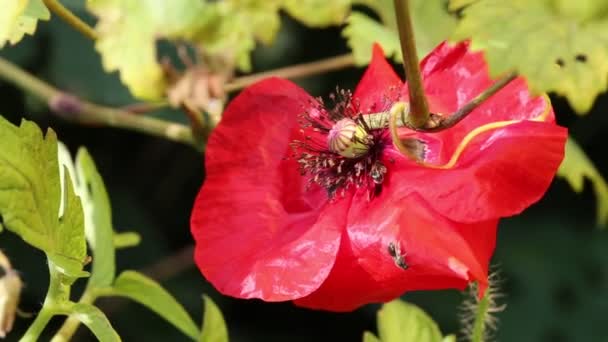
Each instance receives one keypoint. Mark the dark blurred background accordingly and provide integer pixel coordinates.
(553, 259)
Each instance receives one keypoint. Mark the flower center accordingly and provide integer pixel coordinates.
(339, 151)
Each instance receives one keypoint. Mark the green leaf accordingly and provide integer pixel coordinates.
(30, 196)
(126, 240)
(369, 337)
(559, 46)
(318, 13)
(432, 24)
(98, 220)
(95, 320)
(449, 338)
(214, 327)
(128, 31)
(19, 17)
(575, 168)
(399, 321)
(455, 5)
(149, 293)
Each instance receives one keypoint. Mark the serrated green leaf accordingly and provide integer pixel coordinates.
(30, 196)
(318, 13)
(575, 167)
(214, 327)
(555, 46)
(98, 220)
(449, 338)
(126, 240)
(128, 31)
(399, 321)
(149, 293)
(432, 24)
(96, 321)
(369, 337)
(221, 30)
(20, 17)
(455, 5)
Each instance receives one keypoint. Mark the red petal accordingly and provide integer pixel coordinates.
(379, 85)
(253, 221)
(500, 173)
(440, 253)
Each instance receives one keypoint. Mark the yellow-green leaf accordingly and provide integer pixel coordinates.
(455, 5)
(369, 337)
(20, 17)
(575, 168)
(149, 293)
(431, 19)
(214, 327)
(128, 31)
(399, 321)
(96, 321)
(318, 13)
(559, 46)
(30, 196)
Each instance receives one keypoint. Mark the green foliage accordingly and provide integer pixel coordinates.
(318, 13)
(214, 327)
(399, 321)
(559, 46)
(19, 17)
(30, 196)
(95, 320)
(432, 24)
(575, 168)
(126, 240)
(149, 293)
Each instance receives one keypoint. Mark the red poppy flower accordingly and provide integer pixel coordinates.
(286, 215)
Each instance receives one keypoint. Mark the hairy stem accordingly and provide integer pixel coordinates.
(294, 71)
(419, 109)
(57, 8)
(80, 111)
(479, 324)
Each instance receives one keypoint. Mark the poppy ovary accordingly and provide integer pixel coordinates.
(348, 139)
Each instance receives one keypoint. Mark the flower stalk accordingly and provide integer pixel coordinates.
(419, 109)
(71, 19)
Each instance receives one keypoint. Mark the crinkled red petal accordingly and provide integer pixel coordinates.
(379, 86)
(259, 233)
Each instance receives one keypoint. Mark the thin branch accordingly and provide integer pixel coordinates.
(294, 71)
(436, 122)
(419, 113)
(56, 7)
(74, 109)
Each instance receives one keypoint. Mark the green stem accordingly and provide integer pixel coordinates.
(479, 325)
(56, 7)
(79, 111)
(419, 109)
(57, 294)
(69, 327)
(380, 120)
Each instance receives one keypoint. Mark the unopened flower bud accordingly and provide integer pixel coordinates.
(348, 139)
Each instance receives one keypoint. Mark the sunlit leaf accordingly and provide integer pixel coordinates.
(318, 13)
(126, 240)
(128, 31)
(149, 293)
(559, 46)
(98, 219)
(369, 337)
(30, 196)
(20, 17)
(432, 24)
(399, 321)
(214, 327)
(577, 167)
(455, 5)
(96, 321)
